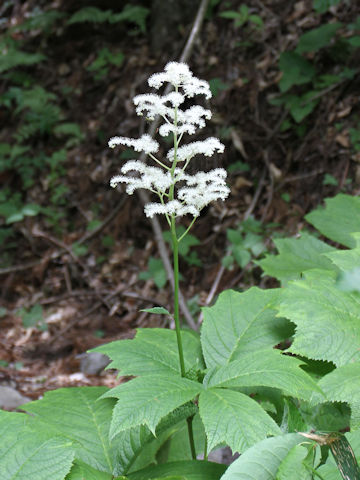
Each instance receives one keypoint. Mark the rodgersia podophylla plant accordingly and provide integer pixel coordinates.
(178, 192)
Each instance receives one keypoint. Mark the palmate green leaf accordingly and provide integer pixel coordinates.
(327, 319)
(339, 219)
(153, 351)
(234, 418)
(262, 461)
(190, 470)
(146, 400)
(268, 368)
(297, 255)
(77, 414)
(28, 454)
(343, 385)
(239, 323)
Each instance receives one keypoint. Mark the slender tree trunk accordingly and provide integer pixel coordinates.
(169, 22)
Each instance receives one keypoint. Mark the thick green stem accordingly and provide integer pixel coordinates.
(175, 244)
(205, 449)
(189, 421)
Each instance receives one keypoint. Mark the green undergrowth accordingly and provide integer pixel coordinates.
(40, 132)
(284, 409)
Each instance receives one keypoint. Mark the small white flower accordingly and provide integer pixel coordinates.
(153, 104)
(179, 75)
(167, 128)
(145, 143)
(204, 187)
(173, 207)
(175, 98)
(206, 147)
(197, 87)
(175, 73)
(149, 178)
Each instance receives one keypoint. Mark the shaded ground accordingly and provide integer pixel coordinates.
(91, 296)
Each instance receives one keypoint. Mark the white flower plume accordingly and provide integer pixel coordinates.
(150, 178)
(145, 143)
(180, 194)
(206, 147)
(174, 207)
(204, 187)
(153, 104)
(179, 75)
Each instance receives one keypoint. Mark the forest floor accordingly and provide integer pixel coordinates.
(82, 280)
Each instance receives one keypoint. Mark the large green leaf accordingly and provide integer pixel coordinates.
(81, 471)
(345, 259)
(293, 466)
(139, 447)
(234, 418)
(177, 447)
(296, 70)
(131, 442)
(239, 323)
(77, 414)
(146, 400)
(327, 319)
(296, 255)
(153, 351)
(262, 461)
(268, 368)
(27, 454)
(343, 385)
(11, 426)
(317, 38)
(329, 472)
(189, 470)
(339, 219)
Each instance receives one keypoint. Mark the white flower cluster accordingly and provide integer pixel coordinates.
(204, 187)
(186, 121)
(143, 144)
(179, 75)
(187, 152)
(174, 207)
(150, 178)
(195, 191)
